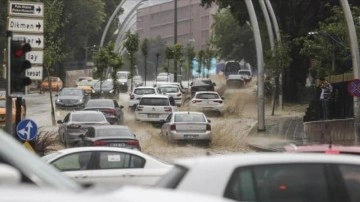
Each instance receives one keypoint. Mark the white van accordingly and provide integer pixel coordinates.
(124, 80)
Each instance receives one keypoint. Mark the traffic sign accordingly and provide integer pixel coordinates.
(353, 87)
(35, 73)
(35, 57)
(36, 41)
(32, 9)
(26, 25)
(26, 129)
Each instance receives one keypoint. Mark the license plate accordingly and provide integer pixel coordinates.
(117, 145)
(153, 115)
(191, 136)
(207, 108)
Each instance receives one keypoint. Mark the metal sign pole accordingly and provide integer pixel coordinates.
(8, 118)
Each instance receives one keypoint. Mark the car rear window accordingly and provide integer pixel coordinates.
(95, 117)
(244, 72)
(207, 96)
(71, 92)
(113, 132)
(144, 91)
(105, 84)
(100, 103)
(189, 118)
(169, 89)
(155, 101)
(202, 83)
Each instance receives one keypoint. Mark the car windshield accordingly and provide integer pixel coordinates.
(2, 103)
(71, 92)
(207, 96)
(47, 157)
(122, 75)
(244, 72)
(144, 91)
(105, 84)
(100, 103)
(112, 132)
(155, 101)
(169, 89)
(162, 78)
(189, 117)
(202, 83)
(85, 83)
(137, 78)
(94, 117)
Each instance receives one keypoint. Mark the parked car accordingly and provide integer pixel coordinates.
(202, 84)
(108, 165)
(187, 126)
(103, 89)
(76, 123)
(19, 166)
(56, 84)
(124, 80)
(71, 98)
(154, 108)
(137, 93)
(109, 107)
(86, 85)
(246, 74)
(269, 177)
(137, 81)
(172, 91)
(207, 101)
(110, 135)
(87, 78)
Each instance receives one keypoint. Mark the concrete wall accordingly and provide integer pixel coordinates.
(341, 131)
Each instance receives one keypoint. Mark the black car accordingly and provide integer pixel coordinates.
(110, 135)
(71, 98)
(202, 85)
(109, 107)
(103, 89)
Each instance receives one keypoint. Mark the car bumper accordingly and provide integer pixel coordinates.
(190, 136)
(220, 109)
(147, 117)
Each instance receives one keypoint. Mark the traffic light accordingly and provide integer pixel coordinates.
(18, 66)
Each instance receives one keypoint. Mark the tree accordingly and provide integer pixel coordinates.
(144, 50)
(201, 55)
(169, 54)
(131, 44)
(209, 54)
(116, 62)
(177, 48)
(190, 55)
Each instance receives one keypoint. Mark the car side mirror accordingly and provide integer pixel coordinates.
(121, 106)
(162, 121)
(209, 121)
(214, 84)
(222, 98)
(59, 121)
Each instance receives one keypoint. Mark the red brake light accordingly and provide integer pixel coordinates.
(218, 101)
(110, 111)
(173, 127)
(74, 126)
(99, 143)
(139, 108)
(331, 151)
(134, 143)
(167, 109)
(132, 97)
(208, 127)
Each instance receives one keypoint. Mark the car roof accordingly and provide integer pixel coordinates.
(144, 87)
(203, 92)
(248, 159)
(188, 112)
(99, 148)
(86, 112)
(322, 148)
(101, 99)
(110, 126)
(154, 96)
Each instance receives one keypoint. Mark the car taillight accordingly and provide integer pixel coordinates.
(167, 109)
(173, 127)
(139, 108)
(195, 101)
(132, 96)
(74, 126)
(331, 151)
(218, 101)
(179, 94)
(134, 143)
(99, 143)
(110, 111)
(208, 127)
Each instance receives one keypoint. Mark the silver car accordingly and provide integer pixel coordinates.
(76, 123)
(187, 126)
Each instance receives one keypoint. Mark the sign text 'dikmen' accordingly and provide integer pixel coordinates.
(26, 25)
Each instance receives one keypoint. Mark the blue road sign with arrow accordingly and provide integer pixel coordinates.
(26, 129)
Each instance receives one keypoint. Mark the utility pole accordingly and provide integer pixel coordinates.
(175, 38)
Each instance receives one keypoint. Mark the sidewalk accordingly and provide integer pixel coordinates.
(279, 131)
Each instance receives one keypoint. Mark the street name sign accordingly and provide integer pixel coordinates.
(35, 41)
(35, 73)
(32, 9)
(35, 57)
(26, 25)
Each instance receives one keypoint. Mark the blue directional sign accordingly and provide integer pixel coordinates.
(26, 129)
(353, 87)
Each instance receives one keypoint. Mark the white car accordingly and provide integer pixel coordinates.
(137, 93)
(207, 101)
(187, 126)
(269, 177)
(173, 91)
(108, 165)
(154, 108)
(246, 74)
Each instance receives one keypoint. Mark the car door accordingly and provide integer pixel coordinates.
(76, 165)
(120, 168)
(63, 126)
(165, 126)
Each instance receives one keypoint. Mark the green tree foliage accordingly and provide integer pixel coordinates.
(209, 54)
(131, 44)
(178, 54)
(169, 54)
(145, 52)
(190, 55)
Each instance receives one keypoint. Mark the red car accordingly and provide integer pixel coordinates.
(323, 148)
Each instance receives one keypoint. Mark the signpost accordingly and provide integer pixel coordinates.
(36, 41)
(26, 25)
(32, 9)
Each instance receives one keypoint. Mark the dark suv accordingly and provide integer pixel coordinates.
(202, 85)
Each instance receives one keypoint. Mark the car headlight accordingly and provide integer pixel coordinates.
(80, 101)
(123, 83)
(57, 100)
(93, 91)
(111, 91)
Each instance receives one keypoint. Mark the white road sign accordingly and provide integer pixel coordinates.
(31, 9)
(35, 73)
(35, 41)
(35, 57)
(26, 25)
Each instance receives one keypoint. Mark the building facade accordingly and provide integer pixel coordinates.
(193, 22)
